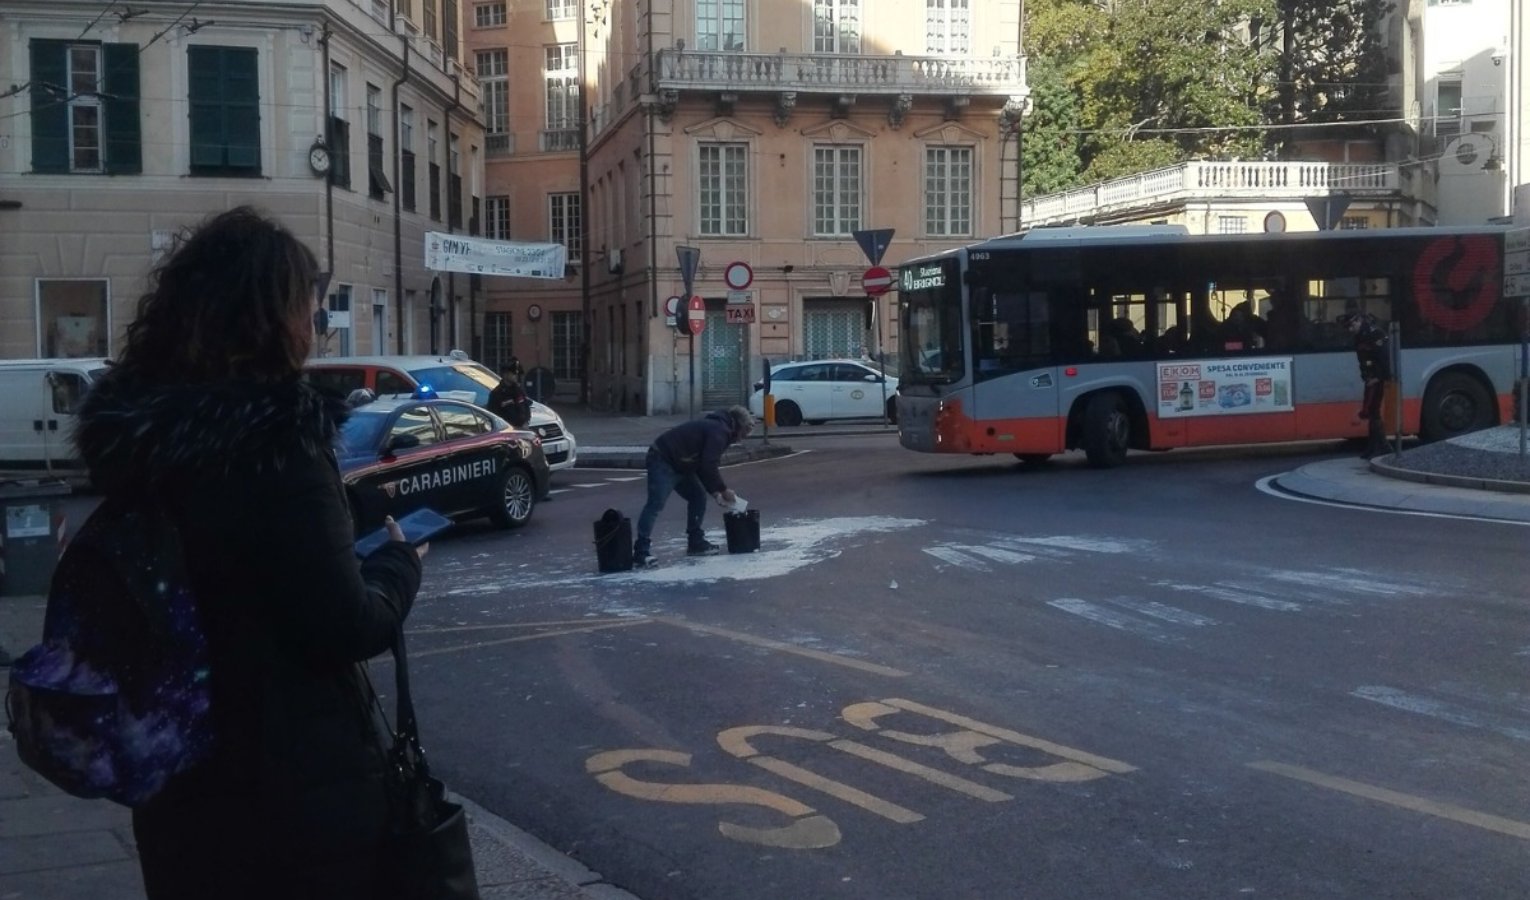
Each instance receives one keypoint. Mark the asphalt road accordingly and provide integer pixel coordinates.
(960, 677)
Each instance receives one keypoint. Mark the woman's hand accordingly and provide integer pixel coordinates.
(395, 533)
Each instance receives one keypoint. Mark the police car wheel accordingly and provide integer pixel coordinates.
(516, 498)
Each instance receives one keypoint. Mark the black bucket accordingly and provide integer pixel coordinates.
(613, 542)
(743, 531)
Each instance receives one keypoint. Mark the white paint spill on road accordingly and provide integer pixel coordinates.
(1109, 617)
(955, 557)
(784, 549)
(1427, 706)
(1163, 611)
(1233, 593)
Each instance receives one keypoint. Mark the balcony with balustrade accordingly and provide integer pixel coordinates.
(1206, 181)
(727, 75)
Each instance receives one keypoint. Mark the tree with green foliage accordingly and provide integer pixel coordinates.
(1333, 65)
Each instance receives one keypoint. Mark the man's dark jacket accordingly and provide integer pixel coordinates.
(292, 802)
(696, 448)
(1371, 352)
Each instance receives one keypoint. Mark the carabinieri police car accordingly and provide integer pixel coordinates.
(399, 455)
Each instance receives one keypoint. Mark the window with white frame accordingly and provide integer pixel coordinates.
(488, 15)
(723, 184)
(948, 191)
(563, 223)
(84, 107)
(1232, 225)
(836, 190)
(836, 26)
(493, 68)
(561, 73)
(720, 24)
(947, 27)
(496, 218)
(561, 9)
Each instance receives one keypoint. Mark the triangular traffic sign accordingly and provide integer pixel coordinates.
(690, 260)
(874, 242)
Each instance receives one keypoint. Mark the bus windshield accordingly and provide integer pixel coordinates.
(930, 346)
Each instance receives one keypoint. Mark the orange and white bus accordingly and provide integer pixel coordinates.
(1146, 337)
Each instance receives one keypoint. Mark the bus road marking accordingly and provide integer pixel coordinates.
(863, 715)
(934, 776)
(1450, 811)
(781, 646)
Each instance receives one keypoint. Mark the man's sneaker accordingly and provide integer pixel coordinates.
(644, 561)
(705, 548)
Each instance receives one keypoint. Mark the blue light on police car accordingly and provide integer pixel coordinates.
(424, 392)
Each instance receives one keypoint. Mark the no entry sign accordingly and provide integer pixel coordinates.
(696, 315)
(876, 281)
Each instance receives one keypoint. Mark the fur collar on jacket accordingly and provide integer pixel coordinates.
(136, 436)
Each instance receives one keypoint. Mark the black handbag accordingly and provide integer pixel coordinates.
(429, 856)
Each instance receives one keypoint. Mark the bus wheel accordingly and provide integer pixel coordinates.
(1107, 430)
(515, 499)
(1033, 459)
(788, 414)
(1455, 404)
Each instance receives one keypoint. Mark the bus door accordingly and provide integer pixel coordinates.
(1015, 377)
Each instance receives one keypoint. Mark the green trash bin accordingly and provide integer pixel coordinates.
(31, 525)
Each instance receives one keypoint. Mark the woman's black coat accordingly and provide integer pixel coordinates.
(292, 803)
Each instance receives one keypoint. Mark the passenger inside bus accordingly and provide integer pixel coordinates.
(1243, 330)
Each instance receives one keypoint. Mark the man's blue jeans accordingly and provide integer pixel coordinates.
(662, 478)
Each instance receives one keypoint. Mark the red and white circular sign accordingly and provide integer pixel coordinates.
(738, 275)
(672, 307)
(696, 315)
(876, 281)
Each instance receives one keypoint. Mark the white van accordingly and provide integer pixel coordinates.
(40, 397)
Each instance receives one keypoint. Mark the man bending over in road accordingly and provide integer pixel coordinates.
(684, 459)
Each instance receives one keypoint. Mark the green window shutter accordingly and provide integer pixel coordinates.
(50, 109)
(225, 110)
(204, 67)
(241, 108)
(124, 149)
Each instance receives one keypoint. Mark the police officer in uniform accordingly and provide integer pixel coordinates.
(1371, 351)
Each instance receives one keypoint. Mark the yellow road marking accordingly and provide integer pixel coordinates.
(935, 776)
(1449, 811)
(1014, 737)
(884, 808)
(769, 644)
(416, 654)
(576, 622)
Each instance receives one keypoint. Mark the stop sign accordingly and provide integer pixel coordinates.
(876, 281)
(696, 314)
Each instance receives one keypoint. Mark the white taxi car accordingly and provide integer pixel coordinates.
(454, 375)
(815, 391)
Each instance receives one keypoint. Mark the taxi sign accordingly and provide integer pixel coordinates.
(876, 281)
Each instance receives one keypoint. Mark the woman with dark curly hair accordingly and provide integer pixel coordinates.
(206, 417)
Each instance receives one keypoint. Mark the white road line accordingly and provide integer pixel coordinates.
(1351, 580)
(1109, 617)
(628, 478)
(957, 558)
(1163, 611)
(1427, 706)
(557, 491)
(999, 554)
(1263, 485)
(1081, 543)
(1234, 593)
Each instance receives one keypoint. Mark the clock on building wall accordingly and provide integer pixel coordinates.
(318, 158)
(1275, 222)
(534, 312)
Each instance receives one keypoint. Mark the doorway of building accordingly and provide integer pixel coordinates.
(722, 348)
(833, 327)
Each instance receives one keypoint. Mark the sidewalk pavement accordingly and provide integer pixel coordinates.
(54, 847)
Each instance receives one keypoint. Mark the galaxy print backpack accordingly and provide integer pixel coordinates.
(115, 699)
